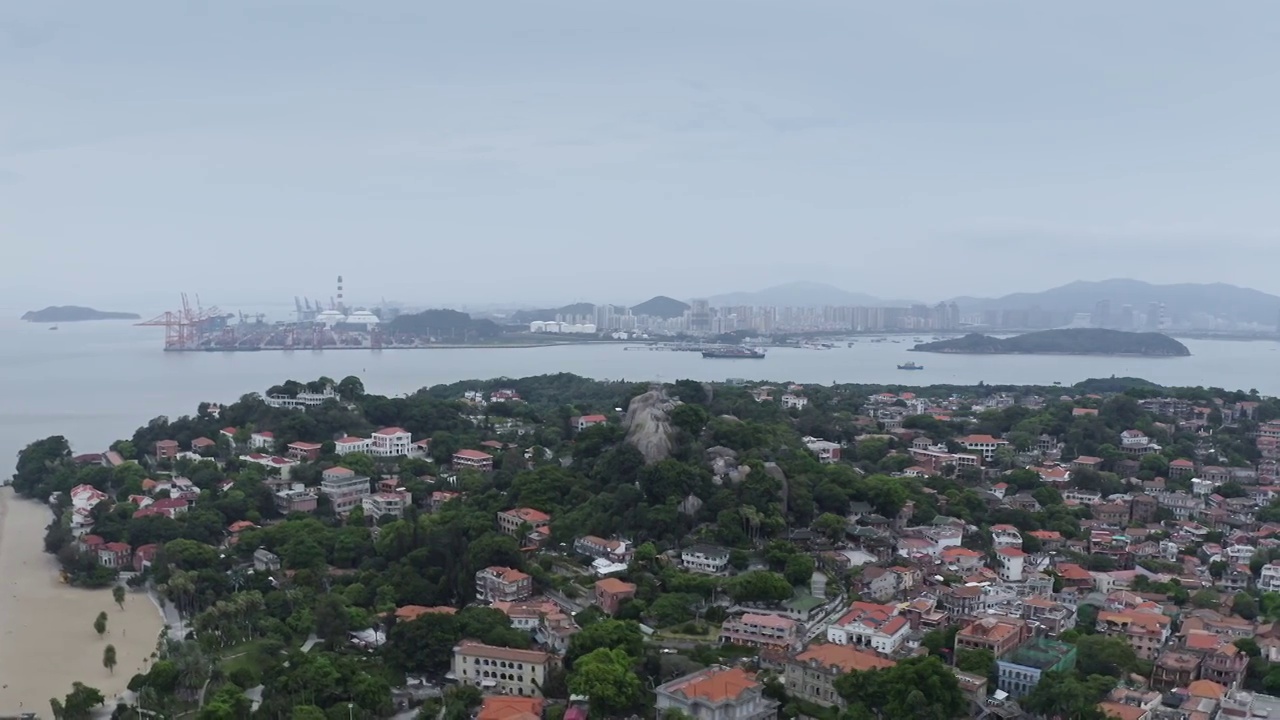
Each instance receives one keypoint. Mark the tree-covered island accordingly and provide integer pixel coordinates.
(1070, 341)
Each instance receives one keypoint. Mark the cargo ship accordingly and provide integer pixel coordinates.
(733, 353)
(910, 366)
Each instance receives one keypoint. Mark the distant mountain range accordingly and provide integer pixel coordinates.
(1181, 301)
(658, 306)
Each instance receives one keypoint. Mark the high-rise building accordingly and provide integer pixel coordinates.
(699, 316)
(1102, 314)
(1125, 319)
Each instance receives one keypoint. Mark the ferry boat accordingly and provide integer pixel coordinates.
(733, 353)
(910, 366)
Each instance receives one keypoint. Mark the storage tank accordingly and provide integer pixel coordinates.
(589, 328)
(537, 326)
(362, 317)
(329, 318)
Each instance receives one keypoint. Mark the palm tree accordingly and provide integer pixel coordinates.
(109, 658)
(117, 593)
(100, 624)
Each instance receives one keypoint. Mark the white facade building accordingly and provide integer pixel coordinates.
(871, 626)
(391, 442)
(1269, 581)
(705, 559)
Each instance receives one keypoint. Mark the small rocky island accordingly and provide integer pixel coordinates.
(74, 313)
(1072, 341)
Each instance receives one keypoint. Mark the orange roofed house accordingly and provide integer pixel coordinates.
(1000, 635)
(717, 693)
(502, 584)
(405, 613)
(984, 445)
(610, 592)
(504, 707)
(1147, 632)
(509, 521)
(811, 675)
(874, 627)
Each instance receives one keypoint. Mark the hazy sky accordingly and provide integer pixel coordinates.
(552, 151)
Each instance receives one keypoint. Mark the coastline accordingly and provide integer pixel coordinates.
(433, 346)
(1048, 352)
(47, 640)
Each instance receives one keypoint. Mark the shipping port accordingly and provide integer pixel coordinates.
(317, 326)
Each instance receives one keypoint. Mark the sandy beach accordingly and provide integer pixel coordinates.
(47, 639)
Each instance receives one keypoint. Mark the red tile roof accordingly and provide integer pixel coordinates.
(714, 685)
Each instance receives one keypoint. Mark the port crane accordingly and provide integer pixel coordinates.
(182, 329)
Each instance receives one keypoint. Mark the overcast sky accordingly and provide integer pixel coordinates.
(549, 151)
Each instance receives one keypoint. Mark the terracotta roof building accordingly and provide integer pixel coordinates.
(717, 693)
(811, 674)
(502, 707)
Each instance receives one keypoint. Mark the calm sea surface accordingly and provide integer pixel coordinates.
(95, 382)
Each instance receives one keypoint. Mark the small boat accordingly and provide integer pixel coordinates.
(53, 327)
(910, 366)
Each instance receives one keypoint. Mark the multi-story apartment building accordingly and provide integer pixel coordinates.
(1225, 664)
(1174, 669)
(984, 445)
(826, 451)
(391, 442)
(811, 675)
(351, 444)
(502, 584)
(1147, 632)
(706, 559)
(1182, 506)
(1136, 442)
(618, 551)
(386, 502)
(1003, 536)
(345, 489)
(1009, 564)
(1000, 635)
(473, 459)
(510, 521)
(1269, 581)
(762, 631)
(500, 670)
(717, 693)
(1115, 514)
(296, 499)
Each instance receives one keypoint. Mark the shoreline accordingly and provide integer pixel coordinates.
(46, 637)
(439, 346)
(1047, 352)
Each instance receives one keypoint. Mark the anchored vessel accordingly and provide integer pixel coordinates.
(733, 352)
(910, 366)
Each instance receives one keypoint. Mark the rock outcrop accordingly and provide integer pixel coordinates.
(648, 424)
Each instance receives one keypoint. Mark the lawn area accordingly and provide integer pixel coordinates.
(246, 655)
